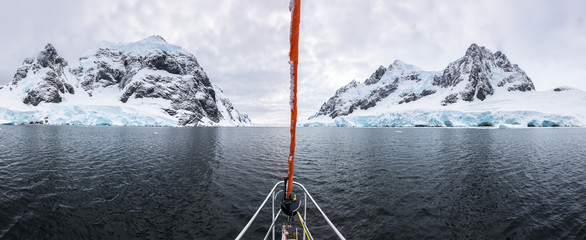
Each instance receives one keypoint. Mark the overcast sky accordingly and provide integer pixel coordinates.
(243, 45)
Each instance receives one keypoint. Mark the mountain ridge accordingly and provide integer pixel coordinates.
(124, 75)
(478, 77)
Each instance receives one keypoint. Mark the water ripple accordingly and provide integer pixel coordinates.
(136, 183)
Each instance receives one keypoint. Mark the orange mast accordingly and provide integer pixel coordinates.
(294, 7)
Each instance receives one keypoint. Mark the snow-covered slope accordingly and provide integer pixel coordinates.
(42, 79)
(145, 83)
(479, 89)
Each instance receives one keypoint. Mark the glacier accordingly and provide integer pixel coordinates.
(451, 118)
(97, 111)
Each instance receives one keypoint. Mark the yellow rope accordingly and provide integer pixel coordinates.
(304, 230)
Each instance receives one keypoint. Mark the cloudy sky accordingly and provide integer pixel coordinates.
(243, 45)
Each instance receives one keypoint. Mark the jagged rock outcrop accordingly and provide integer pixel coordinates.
(474, 77)
(44, 76)
(478, 69)
(152, 68)
(380, 85)
(151, 72)
(375, 77)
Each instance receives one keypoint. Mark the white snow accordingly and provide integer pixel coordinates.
(103, 108)
(102, 105)
(292, 85)
(80, 109)
(143, 46)
(416, 101)
(504, 110)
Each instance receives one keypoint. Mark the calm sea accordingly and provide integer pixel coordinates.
(67, 182)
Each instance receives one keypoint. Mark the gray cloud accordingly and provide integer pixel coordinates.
(243, 45)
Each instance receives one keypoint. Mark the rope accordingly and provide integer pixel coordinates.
(304, 230)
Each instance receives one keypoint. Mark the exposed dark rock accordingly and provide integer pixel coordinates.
(523, 87)
(50, 58)
(506, 80)
(450, 78)
(427, 92)
(330, 107)
(150, 68)
(348, 86)
(21, 73)
(376, 76)
(468, 95)
(334, 107)
(409, 97)
(38, 122)
(338, 106)
(502, 61)
(470, 78)
(161, 60)
(101, 72)
(561, 89)
(42, 94)
(157, 73)
(377, 95)
(52, 84)
(478, 65)
(170, 111)
(28, 60)
(452, 98)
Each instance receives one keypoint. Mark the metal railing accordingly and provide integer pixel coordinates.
(274, 218)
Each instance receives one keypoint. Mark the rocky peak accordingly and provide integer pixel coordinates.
(473, 77)
(153, 68)
(398, 67)
(501, 61)
(48, 68)
(476, 67)
(149, 68)
(345, 88)
(474, 49)
(49, 58)
(477, 71)
(477, 51)
(376, 76)
(155, 38)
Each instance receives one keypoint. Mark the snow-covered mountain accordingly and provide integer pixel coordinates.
(149, 82)
(480, 89)
(42, 79)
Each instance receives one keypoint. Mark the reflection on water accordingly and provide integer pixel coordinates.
(204, 183)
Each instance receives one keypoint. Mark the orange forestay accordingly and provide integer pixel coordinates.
(293, 60)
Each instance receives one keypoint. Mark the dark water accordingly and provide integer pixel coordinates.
(205, 183)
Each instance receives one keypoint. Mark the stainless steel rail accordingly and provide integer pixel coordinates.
(274, 218)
